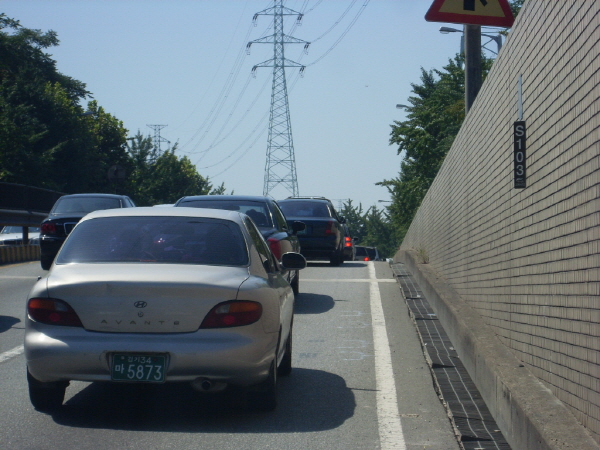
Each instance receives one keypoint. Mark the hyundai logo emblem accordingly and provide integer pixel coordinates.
(140, 304)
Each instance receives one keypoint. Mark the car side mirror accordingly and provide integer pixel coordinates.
(293, 261)
(298, 226)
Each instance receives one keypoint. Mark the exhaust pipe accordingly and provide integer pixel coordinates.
(206, 385)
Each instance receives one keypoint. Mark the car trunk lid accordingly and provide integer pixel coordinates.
(144, 298)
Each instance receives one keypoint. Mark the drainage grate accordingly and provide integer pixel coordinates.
(473, 421)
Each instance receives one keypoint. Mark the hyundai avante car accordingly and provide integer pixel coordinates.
(159, 295)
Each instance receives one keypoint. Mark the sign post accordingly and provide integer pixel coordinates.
(473, 14)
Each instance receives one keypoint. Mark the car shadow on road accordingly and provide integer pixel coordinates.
(7, 322)
(309, 400)
(307, 303)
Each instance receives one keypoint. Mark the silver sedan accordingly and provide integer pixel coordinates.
(155, 295)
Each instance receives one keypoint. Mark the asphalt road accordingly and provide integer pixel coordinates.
(360, 381)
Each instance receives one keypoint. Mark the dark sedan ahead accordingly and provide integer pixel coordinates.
(266, 214)
(66, 213)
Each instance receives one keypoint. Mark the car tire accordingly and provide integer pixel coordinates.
(46, 262)
(337, 259)
(296, 283)
(263, 396)
(285, 368)
(46, 397)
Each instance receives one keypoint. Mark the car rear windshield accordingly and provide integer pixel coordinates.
(361, 251)
(178, 240)
(305, 209)
(85, 204)
(258, 212)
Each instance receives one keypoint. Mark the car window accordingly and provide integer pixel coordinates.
(12, 230)
(279, 217)
(84, 204)
(258, 211)
(181, 240)
(262, 248)
(361, 251)
(305, 209)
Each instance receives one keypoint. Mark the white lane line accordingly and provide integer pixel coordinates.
(390, 428)
(349, 280)
(11, 353)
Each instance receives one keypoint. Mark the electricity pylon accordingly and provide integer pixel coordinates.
(157, 137)
(280, 168)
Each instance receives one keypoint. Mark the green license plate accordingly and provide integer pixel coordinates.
(138, 368)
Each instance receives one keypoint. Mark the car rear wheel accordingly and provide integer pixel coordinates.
(337, 259)
(46, 262)
(46, 397)
(263, 397)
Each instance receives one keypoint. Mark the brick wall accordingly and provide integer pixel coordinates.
(529, 259)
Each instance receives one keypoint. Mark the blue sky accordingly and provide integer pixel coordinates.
(183, 63)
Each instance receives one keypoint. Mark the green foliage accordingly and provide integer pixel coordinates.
(373, 228)
(435, 115)
(162, 177)
(46, 139)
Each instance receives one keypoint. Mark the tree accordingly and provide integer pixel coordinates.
(355, 219)
(45, 138)
(435, 115)
(162, 177)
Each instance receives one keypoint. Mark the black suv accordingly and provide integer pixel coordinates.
(323, 238)
(66, 213)
(264, 211)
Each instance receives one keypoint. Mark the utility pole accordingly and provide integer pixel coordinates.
(157, 137)
(280, 167)
(473, 76)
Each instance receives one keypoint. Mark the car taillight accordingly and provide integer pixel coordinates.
(366, 258)
(48, 228)
(348, 242)
(330, 228)
(52, 312)
(232, 314)
(275, 246)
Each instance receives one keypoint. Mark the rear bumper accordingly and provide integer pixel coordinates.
(70, 353)
(318, 247)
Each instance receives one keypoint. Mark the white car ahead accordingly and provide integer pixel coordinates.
(159, 295)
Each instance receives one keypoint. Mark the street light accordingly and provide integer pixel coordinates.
(399, 106)
(496, 38)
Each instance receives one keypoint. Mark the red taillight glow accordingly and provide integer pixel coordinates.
(52, 312)
(366, 258)
(48, 228)
(330, 228)
(275, 246)
(232, 314)
(348, 242)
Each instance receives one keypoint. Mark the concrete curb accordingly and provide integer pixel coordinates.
(19, 253)
(528, 414)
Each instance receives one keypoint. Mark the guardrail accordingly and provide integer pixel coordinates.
(19, 253)
(25, 206)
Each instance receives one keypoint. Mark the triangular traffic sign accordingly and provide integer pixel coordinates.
(494, 13)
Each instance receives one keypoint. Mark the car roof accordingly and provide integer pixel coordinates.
(233, 198)
(150, 211)
(318, 199)
(94, 195)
